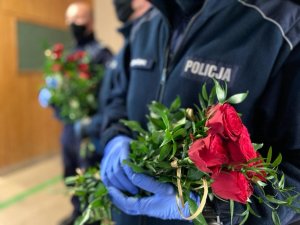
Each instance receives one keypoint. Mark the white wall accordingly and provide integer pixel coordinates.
(106, 24)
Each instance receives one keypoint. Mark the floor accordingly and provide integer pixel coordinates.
(34, 195)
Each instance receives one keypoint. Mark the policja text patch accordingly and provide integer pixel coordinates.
(141, 63)
(199, 69)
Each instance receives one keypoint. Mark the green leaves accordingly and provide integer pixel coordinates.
(92, 195)
(199, 220)
(133, 125)
(175, 104)
(231, 210)
(277, 161)
(204, 92)
(221, 93)
(257, 146)
(134, 167)
(275, 218)
(272, 199)
(269, 156)
(238, 98)
(194, 174)
(246, 213)
(165, 151)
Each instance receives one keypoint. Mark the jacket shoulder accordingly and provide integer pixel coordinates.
(146, 20)
(285, 14)
(98, 52)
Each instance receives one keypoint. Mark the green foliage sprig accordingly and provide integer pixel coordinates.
(95, 203)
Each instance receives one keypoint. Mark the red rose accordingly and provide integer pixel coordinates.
(56, 67)
(71, 58)
(215, 119)
(242, 150)
(58, 47)
(78, 55)
(223, 119)
(231, 186)
(84, 75)
(58, 50)
(208, 153)
(83, 67)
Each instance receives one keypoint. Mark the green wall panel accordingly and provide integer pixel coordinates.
(33, 39)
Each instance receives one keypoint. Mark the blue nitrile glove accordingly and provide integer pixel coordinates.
(53, 81)
(80, 127)
(112, 167)
(162, 204)
(44, 97)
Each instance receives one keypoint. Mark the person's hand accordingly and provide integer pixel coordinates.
(112, 167)
(53, 81)
(162, 204)
(44, 97)
(79, 127)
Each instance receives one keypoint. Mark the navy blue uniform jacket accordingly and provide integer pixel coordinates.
(252, 45)
(111, 85)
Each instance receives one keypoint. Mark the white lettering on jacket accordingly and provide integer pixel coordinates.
(113, 64)
(138, 62)
(208, 70)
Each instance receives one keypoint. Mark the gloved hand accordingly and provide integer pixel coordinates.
(44, 97)
(53, 81)
(79, 127)
(112, 167)
(162, 204)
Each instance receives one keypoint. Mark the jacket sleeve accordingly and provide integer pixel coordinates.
(115, 109)
(92, 129)
(104, 56)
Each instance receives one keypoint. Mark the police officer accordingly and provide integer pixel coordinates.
(251, 45)
(128, 12)
(90, 127)
(79, 18)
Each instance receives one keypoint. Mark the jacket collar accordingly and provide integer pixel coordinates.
(125, 29)
(169, 7)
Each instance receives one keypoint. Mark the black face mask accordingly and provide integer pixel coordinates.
(78, 32)
(189, 7)
(123, 9)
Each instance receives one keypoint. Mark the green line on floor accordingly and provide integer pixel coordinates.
(23, 195)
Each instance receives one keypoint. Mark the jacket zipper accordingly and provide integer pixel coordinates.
(163, 78)
(167, 65)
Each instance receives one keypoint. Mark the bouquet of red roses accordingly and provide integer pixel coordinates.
(72, 83)
(207, 151)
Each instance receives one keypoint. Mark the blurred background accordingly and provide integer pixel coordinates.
(31, 188)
